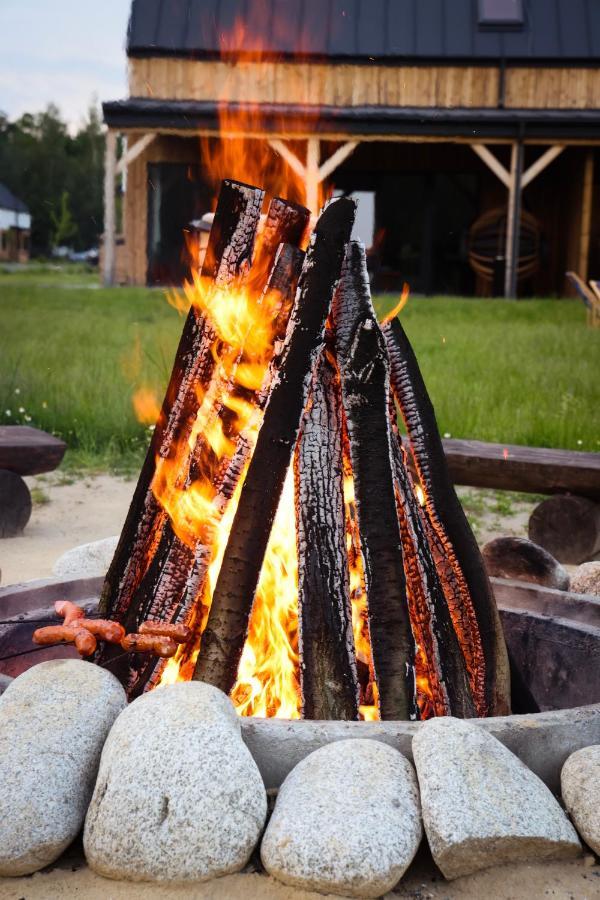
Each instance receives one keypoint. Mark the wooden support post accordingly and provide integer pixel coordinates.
(110, 167)
(513, 221)
(132, 153)
(586, 215)
(312, 173)
(311, 178)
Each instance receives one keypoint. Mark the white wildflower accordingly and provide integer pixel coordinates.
(7, 412)
(17, 390)
(21, 409)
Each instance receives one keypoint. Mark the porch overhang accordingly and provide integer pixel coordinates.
(363, 122)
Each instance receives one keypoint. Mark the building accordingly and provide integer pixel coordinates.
(470, 128)
(15, 228)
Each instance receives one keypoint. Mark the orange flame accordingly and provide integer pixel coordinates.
(241, 151)
(146, 405)
(399, 306)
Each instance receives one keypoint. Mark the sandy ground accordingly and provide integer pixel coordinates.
(69, 512)
(579, 880)
(72, 513)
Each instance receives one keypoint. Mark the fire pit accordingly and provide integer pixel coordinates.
(557, 632)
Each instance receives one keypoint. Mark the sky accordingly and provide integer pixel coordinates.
(62, 51)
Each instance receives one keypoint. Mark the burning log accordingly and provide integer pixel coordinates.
(461, 570)
(328, 665)
(364, 368)
(225, 633)
(446, 691)
(176, 582)
(228, 254)
(167, 570)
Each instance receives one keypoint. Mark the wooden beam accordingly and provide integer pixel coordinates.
(586, 214)
(291, 159)
(513, 221)
(336, 159)
(540, 164)
(134, 151)
(312, 180)
(110, 165)
(533, 470)
(492, 163)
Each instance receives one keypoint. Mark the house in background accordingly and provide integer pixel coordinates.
(15, 228)
(470, 128)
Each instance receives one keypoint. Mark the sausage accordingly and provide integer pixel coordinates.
(147, 643)
(85, 643)
(53, 634)
(181, 634)
(69, 611)
(105, 629)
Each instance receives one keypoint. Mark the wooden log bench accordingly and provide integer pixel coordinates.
(567, 524)
(23, 451)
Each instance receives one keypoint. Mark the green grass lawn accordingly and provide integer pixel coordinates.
(71, 355)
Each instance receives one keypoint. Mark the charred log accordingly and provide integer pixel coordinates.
(364, 370)
(225, 633)
(229, 251)
(176, 578)
(328, 666)
(447, 691)
(466, 585)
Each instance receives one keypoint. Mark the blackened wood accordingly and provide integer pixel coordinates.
(328, 674)
(534, 470)
(223, 640)
(175, 581)
(188, 584)
(29, 451)
(364, 370)
(15, 504)
(446, 669)
(229, 249)
(567, 527)
(176, 578)
(457, 555)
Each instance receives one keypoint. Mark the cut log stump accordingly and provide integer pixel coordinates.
(567, 527)
(15, 504)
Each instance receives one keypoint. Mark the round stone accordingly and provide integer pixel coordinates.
(54, 720)
(346, 821)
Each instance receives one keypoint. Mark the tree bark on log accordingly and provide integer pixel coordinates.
(448, 682)
(364, 370)
(327, 661)
(458, 560)
(223, 639)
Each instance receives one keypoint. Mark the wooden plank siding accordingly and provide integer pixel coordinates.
(314, 83)
(360, 85)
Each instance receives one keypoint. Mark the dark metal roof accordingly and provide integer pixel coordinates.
(553, 31)
(362, 120)
(9, 201)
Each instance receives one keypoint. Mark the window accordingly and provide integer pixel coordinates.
(501, 13)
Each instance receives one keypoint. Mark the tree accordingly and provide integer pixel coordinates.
(40, 162)
(65, 229)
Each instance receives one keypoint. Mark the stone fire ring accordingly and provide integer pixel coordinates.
(543, 741)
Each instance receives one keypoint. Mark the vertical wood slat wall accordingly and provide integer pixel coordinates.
(358, 85)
